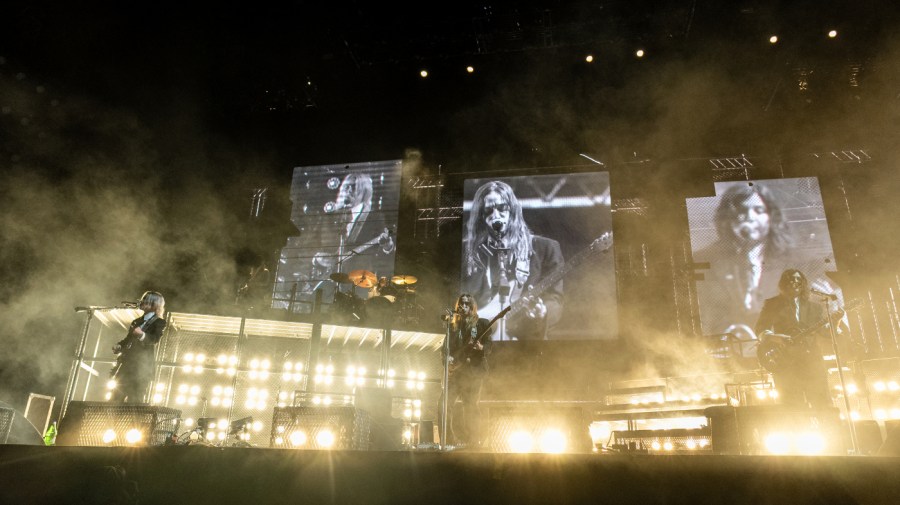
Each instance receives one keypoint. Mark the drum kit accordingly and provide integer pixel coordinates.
(388, 300)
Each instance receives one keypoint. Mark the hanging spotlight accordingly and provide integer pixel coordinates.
(589, 58)
(832, 34)
(773, 39)
(639, 53)
(470, 69)
(423, 73)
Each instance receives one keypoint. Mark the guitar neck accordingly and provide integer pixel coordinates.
(599, 245)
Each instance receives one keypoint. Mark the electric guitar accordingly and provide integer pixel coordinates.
(127, 343)
(324, 263)
(776, 351)
(527, 297)
(465, 353)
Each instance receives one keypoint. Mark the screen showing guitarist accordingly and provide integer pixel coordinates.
(469, 346)
(788, 327)
(502, 258)
(360, 242)
(136, 353)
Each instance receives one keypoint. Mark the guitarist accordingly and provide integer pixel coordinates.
(470, 343)
(503, 258)
(136, 362)
(802, 380)
(356, 239)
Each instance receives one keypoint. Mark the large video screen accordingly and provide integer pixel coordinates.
(750, 233)
(346, 219)
(541, 245)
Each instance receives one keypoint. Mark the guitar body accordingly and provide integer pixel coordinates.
(524, 298)
(324, 264)
(776, 353)
(132, 352)
(468, 354)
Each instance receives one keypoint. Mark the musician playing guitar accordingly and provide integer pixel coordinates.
(470, 343)
(801, 379)
(136, 361)
(503, 260)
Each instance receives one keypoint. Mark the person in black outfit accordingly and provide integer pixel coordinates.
(469, 346)
(503, 260)
(801, 378)
(136, 363)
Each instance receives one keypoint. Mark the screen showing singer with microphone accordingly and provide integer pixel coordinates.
(508, 261)
(346, 218)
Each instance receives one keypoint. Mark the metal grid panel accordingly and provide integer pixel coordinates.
(6, 420)
(688, 441)
(301, 428)
(156, 424)
(505, 422)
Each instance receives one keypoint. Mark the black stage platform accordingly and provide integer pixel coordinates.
(249, 476)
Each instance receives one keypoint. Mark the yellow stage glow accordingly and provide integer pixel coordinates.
(133, 436)
(111, 384)
(810, 444)
(553, 442)
(520, 441)
(777, 443)
(470, 69)
(109, 436)
(325, 439)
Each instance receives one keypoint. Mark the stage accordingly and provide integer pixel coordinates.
(200, 474)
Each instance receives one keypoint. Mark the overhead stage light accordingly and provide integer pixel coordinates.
(773, 39)
(589, 58)
(832, 34)
(423, 73)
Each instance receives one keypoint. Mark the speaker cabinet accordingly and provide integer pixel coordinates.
(321, 428)
(535, 429)
(117, 424)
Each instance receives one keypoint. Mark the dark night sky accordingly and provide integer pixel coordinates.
(130, 135)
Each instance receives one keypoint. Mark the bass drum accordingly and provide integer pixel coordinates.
(381, 310)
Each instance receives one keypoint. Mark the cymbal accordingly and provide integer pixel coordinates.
(404, 280)
(363, 278)
(340, 277)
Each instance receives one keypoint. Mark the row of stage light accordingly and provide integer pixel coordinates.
(639, 53)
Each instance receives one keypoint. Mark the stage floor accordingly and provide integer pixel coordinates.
(250, 476)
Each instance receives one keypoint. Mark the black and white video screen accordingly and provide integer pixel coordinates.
(749, 233)
(346, 219)
(541, 245)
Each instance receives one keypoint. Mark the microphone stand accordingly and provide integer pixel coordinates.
(445, 383)
(503, 292)
(854, 441)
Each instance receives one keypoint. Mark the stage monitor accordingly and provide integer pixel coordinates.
(748, 234)
(346, 220)
(541, 245)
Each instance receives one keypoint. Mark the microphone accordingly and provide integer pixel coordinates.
(829, 296)
(497, 226)
(130, 304)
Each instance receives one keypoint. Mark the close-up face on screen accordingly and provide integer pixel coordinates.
(541, 246)
(346, 218)
(749, 233)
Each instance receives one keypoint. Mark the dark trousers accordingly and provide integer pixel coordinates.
(804, 384)
(463, 414)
